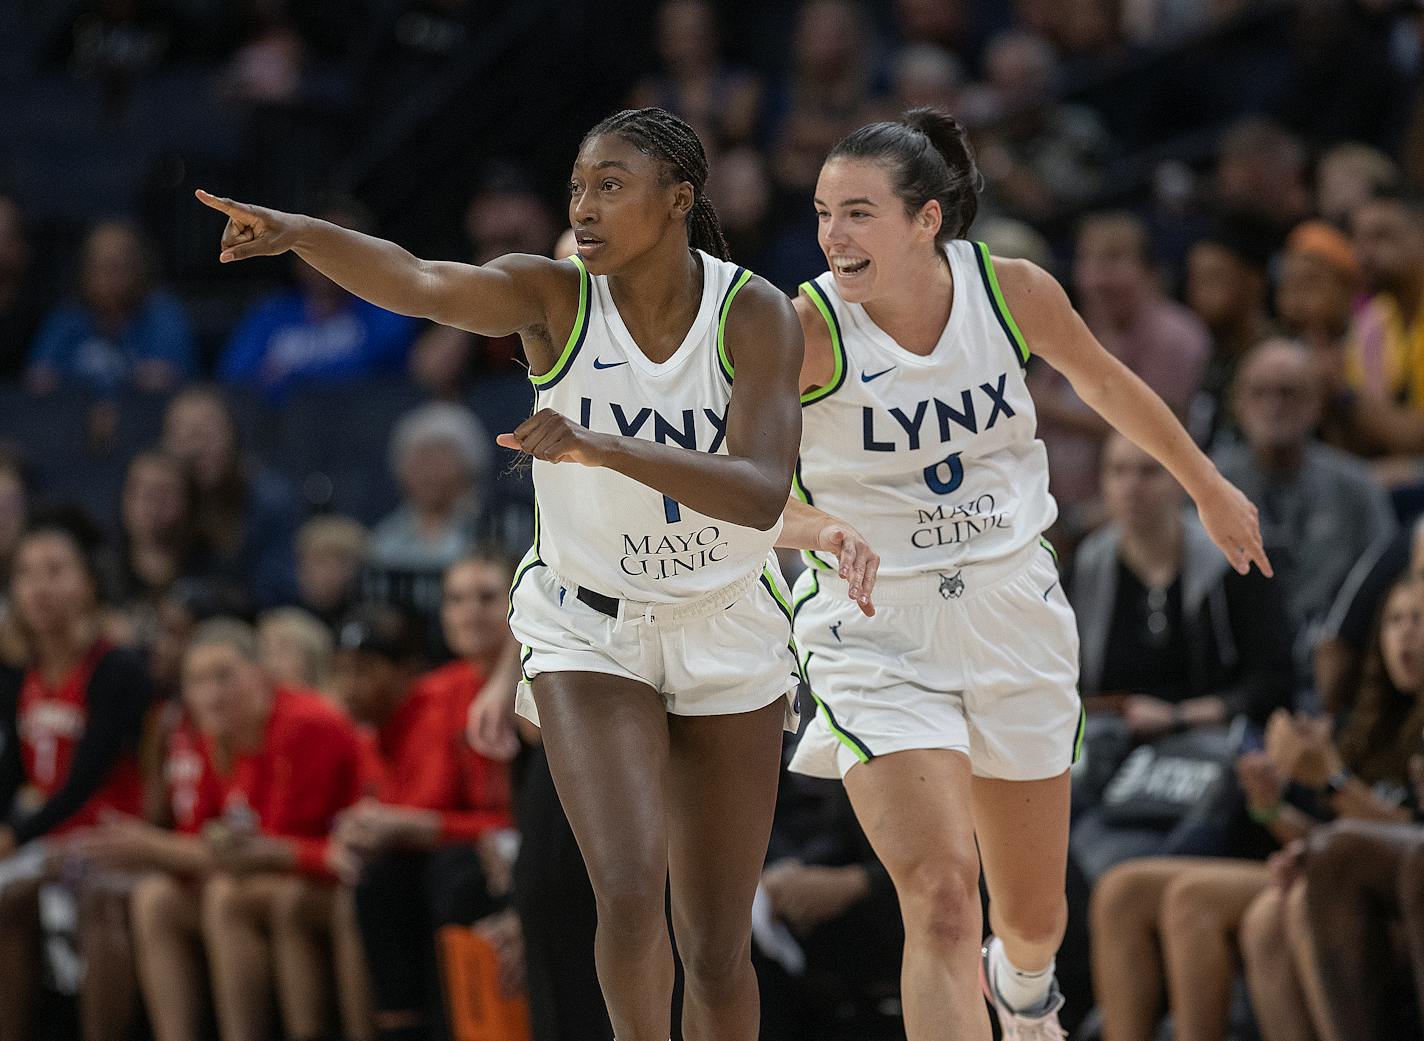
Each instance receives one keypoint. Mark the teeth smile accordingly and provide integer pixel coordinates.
(848, 265)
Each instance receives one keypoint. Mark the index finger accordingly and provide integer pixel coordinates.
(227, 206)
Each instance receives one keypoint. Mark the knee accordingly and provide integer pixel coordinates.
(631, 896)
(1189, 905)
(1262, 935)
(220, 903)
(293, 905)
(1124, 895)
(156, 906)
(1334, 857)
(939, 899)
(713, 960)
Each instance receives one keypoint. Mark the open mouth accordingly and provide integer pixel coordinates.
(588, 244)
(847, 266)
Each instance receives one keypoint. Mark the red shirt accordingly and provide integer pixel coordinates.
(51, 721)
(420, 758)
(307, 770)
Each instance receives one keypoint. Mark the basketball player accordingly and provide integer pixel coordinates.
(952, 713)
(655, 623)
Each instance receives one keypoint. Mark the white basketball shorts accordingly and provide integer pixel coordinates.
(727, 652)
(982, 659)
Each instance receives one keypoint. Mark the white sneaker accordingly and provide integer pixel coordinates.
(1014, 1026)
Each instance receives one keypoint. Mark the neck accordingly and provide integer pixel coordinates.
(658, 287)
(59, 650)
(1154, 552)
(902, 313)
(1279, 459)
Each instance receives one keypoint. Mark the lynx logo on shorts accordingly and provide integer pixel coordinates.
(672, 553)
(951, 587)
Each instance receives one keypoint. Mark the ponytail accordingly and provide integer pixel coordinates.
(928, 155)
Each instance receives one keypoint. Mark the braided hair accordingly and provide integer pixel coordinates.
(662, 136)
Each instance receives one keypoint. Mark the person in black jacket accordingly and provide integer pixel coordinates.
(70, 726)
(1172, 640)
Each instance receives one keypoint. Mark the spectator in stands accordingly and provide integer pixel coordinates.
(1040, 157)
(1350, 175)
(1382, 402)
(506, 215)
(331, 553)
(159, 538)
(256, 776)
(1315, 300)
(1161, 341)
(246, 514)
(722, 102)
(1228, 289)
(420, 847)
(825, 96)
(20, 296)
(1261, 172)
(317, 331)
(440, 455)
(1173, 640)
(1321, 510)
(925, 75)
(1181, 924)
(1088, 35)
(14, 511)
(121, 329)
(1363, 772)
(70, 729)
(832, 955)
(296, 648)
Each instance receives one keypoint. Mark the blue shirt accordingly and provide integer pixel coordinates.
(280, 344)
(71, 342)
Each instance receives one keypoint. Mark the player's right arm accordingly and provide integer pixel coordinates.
(508, 295)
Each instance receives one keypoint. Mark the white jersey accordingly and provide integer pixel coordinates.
(603, 530)
(934, 458)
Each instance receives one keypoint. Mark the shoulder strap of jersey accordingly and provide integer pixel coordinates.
(740, 277)
(997, 303)
(822, 302)
(576, 335)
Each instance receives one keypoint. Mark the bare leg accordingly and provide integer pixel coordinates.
(1201, 920)
(301, 930)
(607, 742)
(1128, 973)
(1353, 872)
(722, 782)
(109, 998)
(1411, 902)
(915, 809)
(1022, 827)
(20, 955)
(171, 969)
(235, 916)
(1295, 920)
(353, 980)
(1276, 995)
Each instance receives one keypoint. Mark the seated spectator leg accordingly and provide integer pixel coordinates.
(722, 784)
(1128, 970)
(915, 809)
(1411, 901)
(1022, 827)
(607, 740)
(353, 976)
(301, 930)
(109, 998)
(1295, 919)
(236, 920)
(1276, 996)
(1201, 919)
(392, 909)
(168, 943)
(1352, 873)
(457, 893)
(21, 955)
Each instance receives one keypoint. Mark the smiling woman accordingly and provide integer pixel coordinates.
(654, 618)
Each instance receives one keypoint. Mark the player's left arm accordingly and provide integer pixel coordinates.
(1056, 332)
(805, 527)
(750, 484)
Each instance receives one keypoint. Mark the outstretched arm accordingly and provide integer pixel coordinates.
(1054, 331)
(805, 527)
(750, 484)
(514, 293)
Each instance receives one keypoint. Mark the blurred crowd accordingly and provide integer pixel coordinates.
(259, 771)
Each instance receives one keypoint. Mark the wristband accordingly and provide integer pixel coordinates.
(1266, 815)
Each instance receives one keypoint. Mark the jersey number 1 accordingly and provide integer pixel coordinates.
(671, 510)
